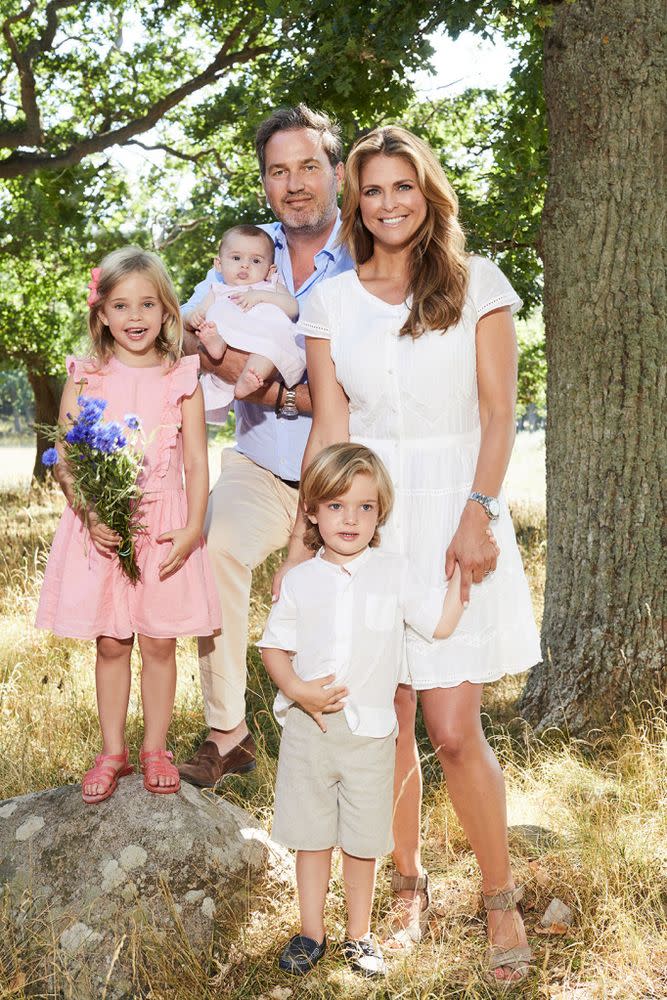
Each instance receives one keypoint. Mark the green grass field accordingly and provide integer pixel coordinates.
(605, 805)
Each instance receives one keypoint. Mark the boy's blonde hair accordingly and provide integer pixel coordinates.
(118, 265)
(330, 475)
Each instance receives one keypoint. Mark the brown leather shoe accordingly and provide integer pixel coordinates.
(207, 765)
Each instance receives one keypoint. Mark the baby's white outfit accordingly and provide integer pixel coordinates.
(350, 620)
(265, 329)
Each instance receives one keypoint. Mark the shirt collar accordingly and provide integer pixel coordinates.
(350, 568)
(330, 248)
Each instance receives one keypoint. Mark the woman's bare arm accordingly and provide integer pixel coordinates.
(471, 547)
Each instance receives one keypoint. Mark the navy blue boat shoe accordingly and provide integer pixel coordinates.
(300, 954)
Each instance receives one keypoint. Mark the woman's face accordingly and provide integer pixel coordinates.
(390, 200)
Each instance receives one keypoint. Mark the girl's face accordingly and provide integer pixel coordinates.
(134, 314)
(391, 202)
(348, 522)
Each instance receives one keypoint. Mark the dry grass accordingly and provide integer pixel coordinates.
(604, 805)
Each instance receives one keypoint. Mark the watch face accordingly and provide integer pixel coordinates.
(494, 507)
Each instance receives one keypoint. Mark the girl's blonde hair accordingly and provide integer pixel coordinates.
(438, 269)
(118, 265)
(330, 475)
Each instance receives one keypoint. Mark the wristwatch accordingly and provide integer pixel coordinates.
(289, 407)
(490, 504)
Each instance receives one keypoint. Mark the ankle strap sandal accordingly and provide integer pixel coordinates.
(409, 935)
(517, 959)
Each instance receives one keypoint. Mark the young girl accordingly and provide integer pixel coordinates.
(333, 645)
(245, 260)
(136, 366)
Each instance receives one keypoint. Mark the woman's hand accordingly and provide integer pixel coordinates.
(105, 540)
(316, 698)
(474, 548)
(183, 542)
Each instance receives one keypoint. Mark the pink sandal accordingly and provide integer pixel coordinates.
(157, 764)
(104, 773)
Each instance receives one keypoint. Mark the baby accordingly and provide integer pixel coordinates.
(252, 311)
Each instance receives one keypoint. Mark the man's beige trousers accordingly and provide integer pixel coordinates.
(250, 514)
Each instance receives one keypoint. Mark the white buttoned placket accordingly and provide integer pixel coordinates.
(343, 618)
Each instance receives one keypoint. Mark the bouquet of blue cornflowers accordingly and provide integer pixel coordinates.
(104, 461)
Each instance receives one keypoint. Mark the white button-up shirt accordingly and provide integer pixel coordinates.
(350, 621)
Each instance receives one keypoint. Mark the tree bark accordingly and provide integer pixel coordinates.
(604, 308)
(47, 390)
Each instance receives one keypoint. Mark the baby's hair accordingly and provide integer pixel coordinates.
(118, 265)
(247, 230)
(330, 475)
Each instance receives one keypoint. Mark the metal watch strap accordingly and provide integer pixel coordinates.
(289, 407)
(490, 504)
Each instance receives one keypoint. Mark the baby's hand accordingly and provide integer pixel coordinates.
(316, 698)
(246, 300)
(208, 335)
(183, 542)
(105, 540)
(195, 318)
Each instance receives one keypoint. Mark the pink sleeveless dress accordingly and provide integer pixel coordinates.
(86, 594)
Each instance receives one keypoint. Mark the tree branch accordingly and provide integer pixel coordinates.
(24, 163)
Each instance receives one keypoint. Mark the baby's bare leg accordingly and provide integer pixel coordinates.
(256, 371)
(211, 340)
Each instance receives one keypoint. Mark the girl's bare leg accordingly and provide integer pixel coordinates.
(359, 879)
(112, 681)
(256, 371)
(158, 690)
(407, 802)
(477, 789)
(313, 869)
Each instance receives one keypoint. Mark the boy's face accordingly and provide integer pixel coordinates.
(348, 522)
(244, 260)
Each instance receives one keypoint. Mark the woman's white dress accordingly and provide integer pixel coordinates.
(414, 402)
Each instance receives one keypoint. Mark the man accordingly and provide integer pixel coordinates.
(252, 507)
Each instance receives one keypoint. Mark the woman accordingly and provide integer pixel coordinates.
(414, 355)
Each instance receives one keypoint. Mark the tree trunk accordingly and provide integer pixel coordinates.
(604, 309)
(47, 390)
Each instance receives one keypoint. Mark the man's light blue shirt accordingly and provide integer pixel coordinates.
(277, 443)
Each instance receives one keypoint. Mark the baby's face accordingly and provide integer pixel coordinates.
(243, 260)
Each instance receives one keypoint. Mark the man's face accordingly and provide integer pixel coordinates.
(300, 183)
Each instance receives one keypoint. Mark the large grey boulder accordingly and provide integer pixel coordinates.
(90, 873)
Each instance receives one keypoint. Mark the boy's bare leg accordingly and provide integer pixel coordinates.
(359, 879)
(256, 371)
(313, 869)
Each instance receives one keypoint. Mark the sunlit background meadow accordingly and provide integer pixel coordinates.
(588, 821)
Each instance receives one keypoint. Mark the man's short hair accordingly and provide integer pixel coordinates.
(253, 231)
(291, 119)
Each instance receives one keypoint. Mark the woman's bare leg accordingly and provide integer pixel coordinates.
(477, 789)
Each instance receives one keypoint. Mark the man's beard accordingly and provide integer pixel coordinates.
(310, 220)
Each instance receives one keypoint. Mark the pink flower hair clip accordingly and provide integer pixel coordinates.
(93, 294)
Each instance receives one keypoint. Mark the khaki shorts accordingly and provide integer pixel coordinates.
(334, 788)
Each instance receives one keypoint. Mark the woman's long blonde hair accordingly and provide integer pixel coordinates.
(438, 269)
(118, 265)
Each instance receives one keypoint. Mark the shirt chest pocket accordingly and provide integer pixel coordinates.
(380, 612)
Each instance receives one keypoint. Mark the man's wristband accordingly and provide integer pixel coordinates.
(279, 398)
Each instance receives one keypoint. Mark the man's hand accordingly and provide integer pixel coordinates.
(316, 698)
